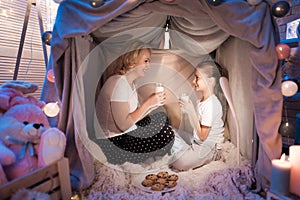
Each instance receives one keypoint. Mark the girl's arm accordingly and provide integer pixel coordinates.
(202, 131)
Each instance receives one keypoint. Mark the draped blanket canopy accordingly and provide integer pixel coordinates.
(241, 37)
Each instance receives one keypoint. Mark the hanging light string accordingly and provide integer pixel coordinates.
(287, 123)
(285, 113)
(30, 59)
(283, 67)
(51, 109)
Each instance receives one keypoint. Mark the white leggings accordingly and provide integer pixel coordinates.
(196, 155)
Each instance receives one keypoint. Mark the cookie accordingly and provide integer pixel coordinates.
(157, 187)
(161, 181)
(163, 174)
(152, 177)
(171, 184)
(147, 183)
(172, 177)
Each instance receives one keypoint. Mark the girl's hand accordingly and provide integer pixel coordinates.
(186, 105)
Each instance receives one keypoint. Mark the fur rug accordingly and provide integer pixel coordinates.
(221, 179)
(26, 194)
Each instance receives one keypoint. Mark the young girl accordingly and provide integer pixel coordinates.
(127, 134)
(206, 118)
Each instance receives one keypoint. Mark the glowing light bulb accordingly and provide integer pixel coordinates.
(50, 76)
(280, 8)
(289, 88)
(286, 129)
(47, 37)
(283, 51)
(214, 2)
(96, 3)
(51, 109)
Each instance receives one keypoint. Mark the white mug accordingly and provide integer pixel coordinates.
(184, 97)
(159, 88)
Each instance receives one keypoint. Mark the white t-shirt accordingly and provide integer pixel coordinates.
(124, 93)
(115, 89)
(210, 114)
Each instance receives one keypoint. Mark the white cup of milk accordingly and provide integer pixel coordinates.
(159, 88)
(184, 97)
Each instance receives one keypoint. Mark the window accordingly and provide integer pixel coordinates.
(32, 65)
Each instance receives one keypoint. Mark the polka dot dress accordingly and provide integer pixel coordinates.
(153, 137)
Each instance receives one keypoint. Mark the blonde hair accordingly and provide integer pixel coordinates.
(128, 60)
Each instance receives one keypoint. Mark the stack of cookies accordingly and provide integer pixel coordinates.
(160, 181)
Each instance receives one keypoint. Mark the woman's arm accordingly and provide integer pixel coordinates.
(121, 115)
(152, 102)
(124, 119)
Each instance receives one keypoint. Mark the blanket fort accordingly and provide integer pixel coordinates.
(243, 41)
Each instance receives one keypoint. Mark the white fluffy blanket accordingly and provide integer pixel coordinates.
(221, 179)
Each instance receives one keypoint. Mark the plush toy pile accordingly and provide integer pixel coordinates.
(27, 141)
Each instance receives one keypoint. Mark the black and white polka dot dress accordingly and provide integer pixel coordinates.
(153, 137)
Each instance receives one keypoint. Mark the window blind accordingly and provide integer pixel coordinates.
(32, 65)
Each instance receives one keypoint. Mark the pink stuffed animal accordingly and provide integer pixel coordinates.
(17, 92)
(25, 131)
(27, 142)
(6, 157)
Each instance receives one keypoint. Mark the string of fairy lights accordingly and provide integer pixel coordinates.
(279, 9)
(51, 109)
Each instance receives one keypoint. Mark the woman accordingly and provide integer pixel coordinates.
(206, 118)
(131, 135)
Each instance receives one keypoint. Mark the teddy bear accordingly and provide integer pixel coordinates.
(17, 92)
(27, 141)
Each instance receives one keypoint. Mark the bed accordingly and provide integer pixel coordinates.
(243, 40)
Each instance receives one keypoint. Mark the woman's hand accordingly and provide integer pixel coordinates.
(152, 102)
(157, 99)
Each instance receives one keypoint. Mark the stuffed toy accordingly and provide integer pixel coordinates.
(27, 142)
(6, 157)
